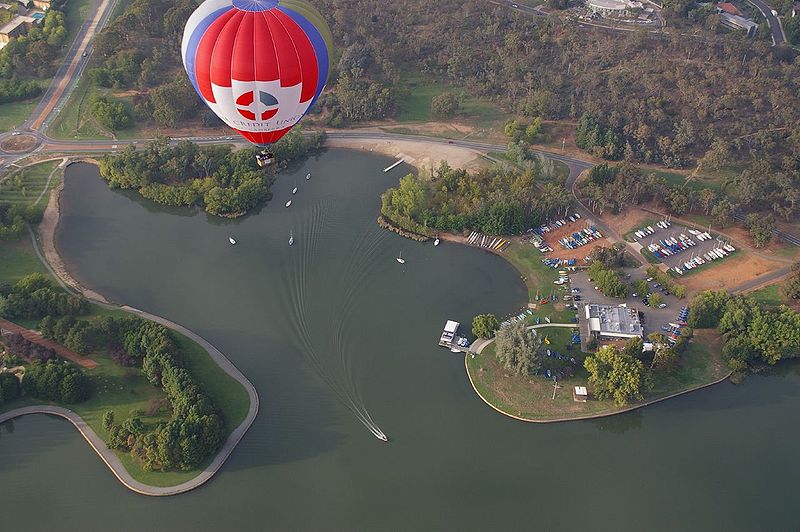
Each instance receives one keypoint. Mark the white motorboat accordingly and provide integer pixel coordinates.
(308, 176)
(231, 240)
(294, 190)
(289, 203)
(436, 242)
(291, 238)
(400, 258)
(382, 437)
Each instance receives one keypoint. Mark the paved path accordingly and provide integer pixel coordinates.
(108, 456)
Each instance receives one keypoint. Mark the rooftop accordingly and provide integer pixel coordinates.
(609, 320)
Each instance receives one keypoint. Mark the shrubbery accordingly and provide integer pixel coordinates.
(56, 381)
(495, 201)
(221, 181)
(14, 217)
(34, 297)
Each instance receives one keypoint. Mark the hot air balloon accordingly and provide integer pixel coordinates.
(258, 64)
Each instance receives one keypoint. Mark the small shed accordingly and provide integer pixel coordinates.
(580, 394)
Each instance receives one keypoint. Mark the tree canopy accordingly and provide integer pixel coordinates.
(516, 347)
(616, 375)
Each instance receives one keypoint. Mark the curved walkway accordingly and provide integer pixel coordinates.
(99, 445)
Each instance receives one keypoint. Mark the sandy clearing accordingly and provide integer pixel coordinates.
(630, 218)
(730, 273)
(422, 155)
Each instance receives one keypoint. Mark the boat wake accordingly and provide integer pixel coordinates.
(324, 330)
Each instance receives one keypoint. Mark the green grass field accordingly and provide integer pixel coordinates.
(531, 397)
(15, 113)
(528, 261)
(125, 391)
(415, 105)
(30, 185)
(769, 295)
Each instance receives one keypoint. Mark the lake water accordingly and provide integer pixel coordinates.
(333, 329)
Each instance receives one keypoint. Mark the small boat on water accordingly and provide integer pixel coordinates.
(291, 238)
(289, 203)
(308, 176)
(382, 437)
(436, 242)
(294, 190)
(400, 258)
(232, 241)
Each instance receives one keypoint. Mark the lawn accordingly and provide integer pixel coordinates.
(415, 104)
(30, 185)
(15, 113)
(125, 390)
(531, 397)
(769, 295)
(528, 261)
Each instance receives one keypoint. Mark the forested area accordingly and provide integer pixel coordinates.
(217, 179)
(754, 334)
(758, 190)
(195, 428)
(140, 51)
(665, 99)
(495, 201)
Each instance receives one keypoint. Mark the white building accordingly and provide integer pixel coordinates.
(613, 7)
(608, 321)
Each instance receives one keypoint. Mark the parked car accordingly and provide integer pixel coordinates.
(662, 305)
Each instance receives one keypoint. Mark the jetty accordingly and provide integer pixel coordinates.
(396, 163)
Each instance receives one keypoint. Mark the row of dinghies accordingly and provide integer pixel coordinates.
(493, 243)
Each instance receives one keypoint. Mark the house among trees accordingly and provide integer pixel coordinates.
(731, 18)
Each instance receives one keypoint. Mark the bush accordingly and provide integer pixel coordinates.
(485, 325)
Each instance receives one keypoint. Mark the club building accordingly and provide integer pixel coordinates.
(613, 321)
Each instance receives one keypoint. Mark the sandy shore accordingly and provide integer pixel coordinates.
(423, 155)
(47, 233)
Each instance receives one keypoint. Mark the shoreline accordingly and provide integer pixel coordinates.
(55, 265)
(581, 417)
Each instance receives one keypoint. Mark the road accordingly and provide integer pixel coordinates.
(775, 26)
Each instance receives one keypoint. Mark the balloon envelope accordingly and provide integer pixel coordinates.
(258, 64)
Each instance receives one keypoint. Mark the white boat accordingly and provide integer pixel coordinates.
(231, 240)
(291, 238)
(308, 176)
(294, 190)
(436, 242)
(289, 203)
(400, 258)
(381, 436)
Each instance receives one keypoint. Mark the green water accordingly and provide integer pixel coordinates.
(334, 327)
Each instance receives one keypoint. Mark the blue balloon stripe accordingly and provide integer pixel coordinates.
(194, 42)
(318, 43)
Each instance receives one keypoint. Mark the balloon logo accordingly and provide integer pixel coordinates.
(269, 104)
(258, 64)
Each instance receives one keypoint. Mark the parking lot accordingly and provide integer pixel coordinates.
(698, 246)
(654, 318)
